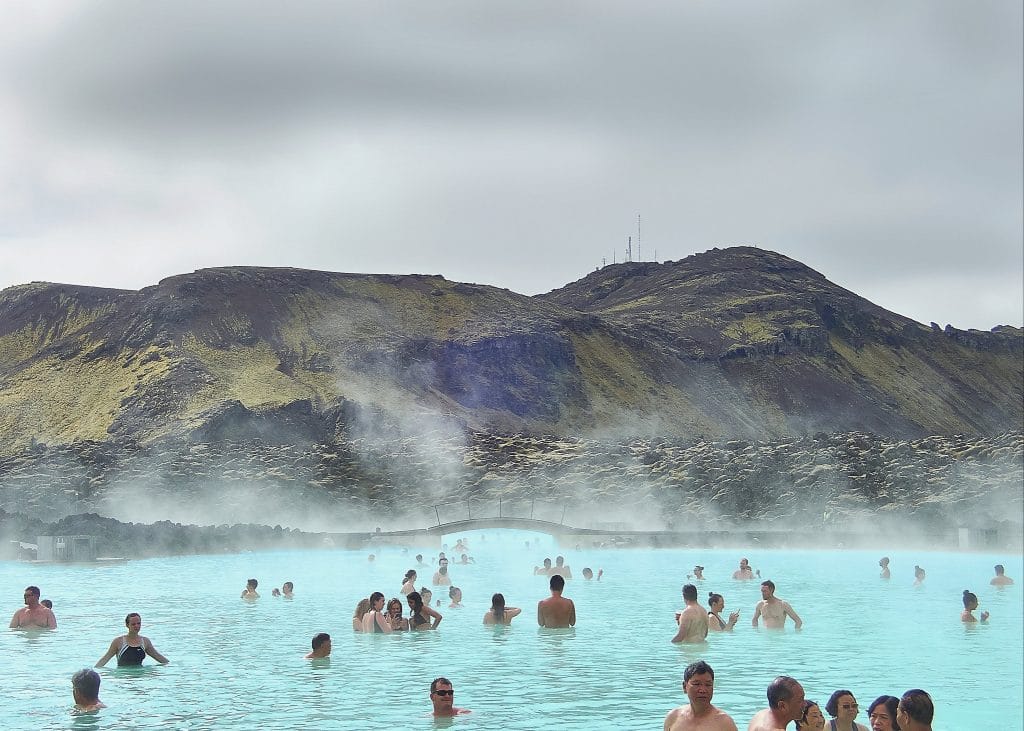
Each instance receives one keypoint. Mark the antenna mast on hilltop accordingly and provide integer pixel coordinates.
(629, 248)
(638, 257)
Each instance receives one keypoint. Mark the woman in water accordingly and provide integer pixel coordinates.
(812, 719)
(715, 621)
(970, 604)
(357, 617)
(499, 613)
(842, 706)
(395, 618)
(428, 596)
(882, 713)
(131, 648)
(455, 594)
(918, 575)
(420, 615)
(375, 620)
(409, 582)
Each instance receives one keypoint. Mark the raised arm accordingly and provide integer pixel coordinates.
(513, 612)
(111, 651)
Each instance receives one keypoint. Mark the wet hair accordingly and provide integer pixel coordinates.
(87, 683)
(808, 705)
(781, 689)
(769, 583)
(557, 583)
(918, 705)
(689, 592)
(33, 590)
(439, 681)
(697, 668)
(713, 597)
(588, 572)
(252, 583)
(918, 571)
(320, 639)
(391, 602)
(374, 597)
(498, 606)
(833, 702)
(411, 573)
(47, 603)
(415, 600)
(424, 592)
(361, 608)
(891, 703)
(452, 591)
(133, 614)
(1000, 569)
(419, 556)
(289, 584)
(547, 562)
(969, 599)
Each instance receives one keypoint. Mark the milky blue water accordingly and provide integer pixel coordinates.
(240, 665)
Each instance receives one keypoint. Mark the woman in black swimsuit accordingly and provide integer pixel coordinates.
(420, 614)
(131, 648)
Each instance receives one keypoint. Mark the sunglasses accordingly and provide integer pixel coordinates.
(444, 692)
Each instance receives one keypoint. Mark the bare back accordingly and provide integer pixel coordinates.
(556, 611)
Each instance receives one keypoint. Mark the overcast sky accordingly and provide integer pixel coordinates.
(515, 143)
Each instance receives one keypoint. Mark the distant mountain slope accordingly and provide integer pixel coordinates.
(733, 343)
(802, 353)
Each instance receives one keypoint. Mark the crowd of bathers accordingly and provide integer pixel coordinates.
(376, 614)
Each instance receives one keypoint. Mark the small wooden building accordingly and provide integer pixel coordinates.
(66, 548)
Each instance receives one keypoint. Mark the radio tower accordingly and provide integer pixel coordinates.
(638, 257)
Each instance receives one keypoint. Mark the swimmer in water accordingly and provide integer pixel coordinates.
(1000, 579)
(774, 609)
(744, 572)
(698, 572)
(409, 582)
(442, 695)
(970, 604)
(85, 689)
(131, 648)
(812, 719)
(699, 715)
(250, 590)
(398, 622)
(357, 617)
(544, 570)
(716, 603)
(421, 614)
(287, 589)
(441, 577)
(588, 574)
(693, 621)
(33, 615)
(918, 575)
(499, 613)
(556, 610)
(785, 704)
(884, 563)
(455, 594)
(374, 620)
(560, 568)
(321, 647)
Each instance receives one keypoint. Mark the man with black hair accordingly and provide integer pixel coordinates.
(785, 704)
(321, 647)
(556, 610)
(85, 689)
(442, 695)
(915, 711)
(693, 621)
(700, 715)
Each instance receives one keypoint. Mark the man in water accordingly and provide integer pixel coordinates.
(693, 621)
(1000, 579)
(916, 711)
(588, 573)
(544, 570)
(884, 563)
(560, 568)
(744, 572)
(441, 577)
(419, 560)
(442, 695)
(698, 572)
(700, 715)
(556, 610)
(785, 704)
(321, 647)
(774, 609)
(85, 689)
(33, 615)
(250, 590)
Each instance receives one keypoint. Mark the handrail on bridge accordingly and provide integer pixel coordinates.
(499, 516)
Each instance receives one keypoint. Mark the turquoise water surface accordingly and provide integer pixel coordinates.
(240, 665)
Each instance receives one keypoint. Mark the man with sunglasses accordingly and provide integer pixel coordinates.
(442, 695)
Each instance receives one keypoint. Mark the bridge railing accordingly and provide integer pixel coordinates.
(546, 510)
